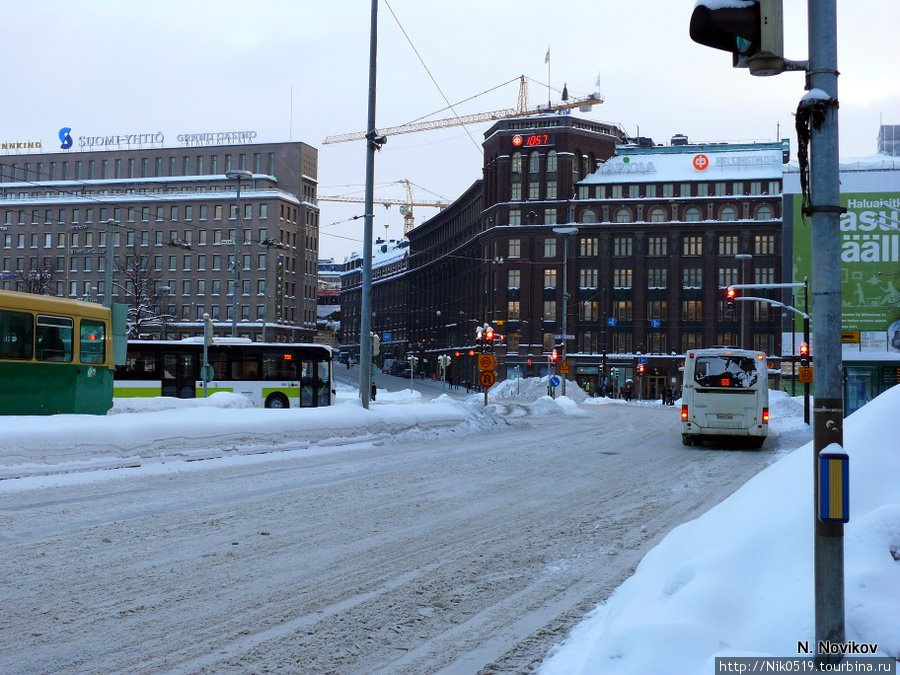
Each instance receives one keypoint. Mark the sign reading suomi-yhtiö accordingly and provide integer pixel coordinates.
(870, 260)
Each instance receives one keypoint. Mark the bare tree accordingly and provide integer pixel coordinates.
(37, 279)
(140, 284)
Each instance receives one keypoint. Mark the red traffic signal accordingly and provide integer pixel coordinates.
(488, 334)
(730, 296)
(641, 368)
(804, 350)
(554, 356)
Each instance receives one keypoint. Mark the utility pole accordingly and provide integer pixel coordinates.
(108, 272)
(819, 107)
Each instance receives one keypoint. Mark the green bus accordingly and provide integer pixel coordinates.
(56, 355)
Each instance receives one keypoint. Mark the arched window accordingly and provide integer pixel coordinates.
(534, 162)
(551, 161)
(764, 212)
(517, 162)
(657, 215)
(728, 213)
(692, 214)
(588, 216)
(623, 215)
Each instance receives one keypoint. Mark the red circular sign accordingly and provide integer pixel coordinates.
(517, 140)
(487, 379)
(701, 162)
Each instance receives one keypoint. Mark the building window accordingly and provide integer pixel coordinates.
(657, 277)
(721, 189)
(587, 277)
(657, 215)
(764, 275)
(551, 189)
(692, 214)
(551, 162)
(516, 191)
(623, 215)
(512, 311)
(764, 212)
(534, 162)
(515, 248)
(534, 189)
(657, 246)
(633, 192)
(728, 213)
(589, 216)
(550, 247)
(549, 215)
(692, 277)
(692, 245)
(764, 244)
(702, 189)
(728, 276)
(622, 277)
(622, 246)
(668, 190)
(516, 166)
(616, 192)
(622, 343)
(588, 310)
(728, 244)
(657, 309)
(514, 278)
(549, 310)
(622, 310)
(550, 278)
(515, 217)
(650, 190)
(692, 310)
(588, 246)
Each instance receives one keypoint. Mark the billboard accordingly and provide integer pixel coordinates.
(870, 259)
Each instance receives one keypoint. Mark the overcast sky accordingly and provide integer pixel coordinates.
(298, 70)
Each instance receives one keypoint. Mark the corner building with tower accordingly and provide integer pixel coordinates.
(652, 234)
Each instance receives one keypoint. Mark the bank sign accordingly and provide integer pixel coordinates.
(870, 259)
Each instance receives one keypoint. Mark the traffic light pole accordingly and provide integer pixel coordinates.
(820, 108)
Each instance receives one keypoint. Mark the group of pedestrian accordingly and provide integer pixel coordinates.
(668, 396)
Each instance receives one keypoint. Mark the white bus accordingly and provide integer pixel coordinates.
(725, 394)
(272, 375)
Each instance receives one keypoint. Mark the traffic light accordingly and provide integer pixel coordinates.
(804, 354)
(752, 30)
(614, 373)
(488, 338)
(730, 296)
(479, 335)
(641, 368)
(376, 344)
(554, 356)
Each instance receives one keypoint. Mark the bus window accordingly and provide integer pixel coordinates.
(725, 371)
(244, 367)
(324, 393)
(280, 365)
(15, 335)
(92, 344)
(54, 338)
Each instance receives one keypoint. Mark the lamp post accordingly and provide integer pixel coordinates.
(237, 175)
(566, 232)
(108, 273)
(742, 315)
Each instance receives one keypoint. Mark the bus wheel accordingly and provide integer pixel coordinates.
(757, 442)
(277, 401)
(686, 440)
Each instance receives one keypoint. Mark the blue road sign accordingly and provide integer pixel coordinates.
(7, 276)
(386, 337)
(611, 322)
(555, 381)
(642, 360)
(655, 323)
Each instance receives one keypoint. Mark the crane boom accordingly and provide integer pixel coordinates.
(520, 111)
(378, 200)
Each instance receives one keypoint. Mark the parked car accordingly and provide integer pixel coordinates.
(388, 365)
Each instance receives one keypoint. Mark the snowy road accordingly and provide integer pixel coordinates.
(413, 554)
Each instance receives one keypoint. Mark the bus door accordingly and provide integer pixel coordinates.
(180, 374)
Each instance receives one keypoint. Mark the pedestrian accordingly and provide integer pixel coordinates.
(374, 391)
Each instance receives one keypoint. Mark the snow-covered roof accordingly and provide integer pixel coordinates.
(694, 162)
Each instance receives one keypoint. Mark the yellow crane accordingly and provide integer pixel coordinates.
(406, 205)
(521, 109)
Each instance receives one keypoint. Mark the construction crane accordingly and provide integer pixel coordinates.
(521, 110)
(406, 205)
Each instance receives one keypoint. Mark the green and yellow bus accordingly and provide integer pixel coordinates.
(56, 355)
(271, 375)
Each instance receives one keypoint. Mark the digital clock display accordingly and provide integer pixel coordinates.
(531, 140)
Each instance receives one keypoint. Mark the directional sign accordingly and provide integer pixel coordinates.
(485, 362)
(655, 323)
(564, 367)
(7, 276)
(487, 378)
(386, 337)
(611, 322)
(805, 375)
(555, 381)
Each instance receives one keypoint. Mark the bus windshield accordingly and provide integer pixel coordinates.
(726, 371)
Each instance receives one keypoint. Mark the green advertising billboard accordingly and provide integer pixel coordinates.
(870, 259)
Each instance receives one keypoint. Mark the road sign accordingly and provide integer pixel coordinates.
(642, 360)
(487, 378)
(564, 367)
(555, 381)
(611, 322)
(7, 276)
(485, 362)
(655, 323)
(386, 337)
(805, 375)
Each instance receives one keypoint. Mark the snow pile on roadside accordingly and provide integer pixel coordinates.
(532, 389)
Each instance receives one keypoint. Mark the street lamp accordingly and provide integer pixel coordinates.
(742, 316)
(566, 232)
(110, 258)
(238, 175)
